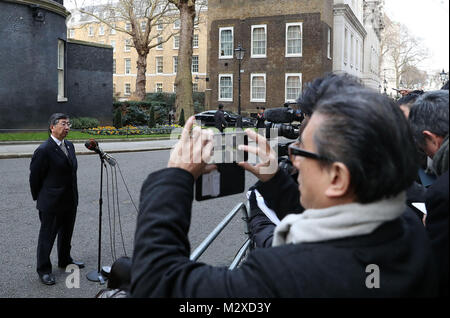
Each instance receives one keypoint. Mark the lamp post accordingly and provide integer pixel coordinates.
(444, 77)
(239, 53)
(385, 86)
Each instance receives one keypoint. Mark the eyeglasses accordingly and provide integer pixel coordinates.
(63, 123)
(294, 150)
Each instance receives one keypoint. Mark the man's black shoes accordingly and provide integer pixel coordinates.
(47, 279)
(79, 264)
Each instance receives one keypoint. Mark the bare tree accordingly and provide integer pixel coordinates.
(401, 49)
(183, 81)
(137, 14)
(413, 78)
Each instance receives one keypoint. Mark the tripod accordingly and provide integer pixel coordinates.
(96, 275)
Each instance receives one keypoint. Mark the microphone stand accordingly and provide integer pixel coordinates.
(96, 276)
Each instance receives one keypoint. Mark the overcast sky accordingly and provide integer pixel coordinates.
(426, 19)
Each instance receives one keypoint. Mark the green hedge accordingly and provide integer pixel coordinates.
(84, 122)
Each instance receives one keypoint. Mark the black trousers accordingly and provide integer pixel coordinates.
(54, 223)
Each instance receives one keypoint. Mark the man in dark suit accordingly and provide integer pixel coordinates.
(53, 183)
(219, 119)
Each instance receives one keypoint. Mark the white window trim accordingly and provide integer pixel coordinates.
(256, 56)
(174, 58)
(91, 30)
(198, 65)
(160, 44)
(175, 24)
(256, 100)
(301, 38)
(127, 46)
(232, 88)
(125, 89)
(101, 30)
(193, 45)
(156, 64)
(285, 86)
(61, 93)
(125, 65)
(329, 44)
(156, 87)
(174, 42)
(220, 42)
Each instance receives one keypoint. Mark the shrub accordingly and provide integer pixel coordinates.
(135, 116)
(117, 119)
(151, 120)
(84, 122)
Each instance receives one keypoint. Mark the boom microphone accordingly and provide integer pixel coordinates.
(283, 115)
(92, 144)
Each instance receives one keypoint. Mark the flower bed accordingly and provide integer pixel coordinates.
(131, 130)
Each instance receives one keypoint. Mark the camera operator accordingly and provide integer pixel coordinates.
(354, 159)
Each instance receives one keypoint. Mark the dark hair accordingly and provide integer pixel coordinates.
(120, 274)
(367, 132)
(429, 112)
(409, 99)
(54, 118)
(319, 87)
(220, 106)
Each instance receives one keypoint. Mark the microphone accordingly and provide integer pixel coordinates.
(283, 115)
(92, 144)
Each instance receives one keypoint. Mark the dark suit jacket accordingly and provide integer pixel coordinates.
(219, 120)
(53, 177)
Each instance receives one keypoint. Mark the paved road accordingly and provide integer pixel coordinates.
(19, 223)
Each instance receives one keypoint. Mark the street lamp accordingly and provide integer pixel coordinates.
(239, 53)
(444, 76)
(385, 86)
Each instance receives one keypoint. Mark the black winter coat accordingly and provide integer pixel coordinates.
(161, 265)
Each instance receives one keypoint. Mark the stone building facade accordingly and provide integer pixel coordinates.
(287, 43)
(161, 61)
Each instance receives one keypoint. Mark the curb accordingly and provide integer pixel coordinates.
(78, 153)
(24, 142)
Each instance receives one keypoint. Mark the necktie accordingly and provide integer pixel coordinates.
(63, 148)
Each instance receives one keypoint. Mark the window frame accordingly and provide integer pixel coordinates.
(232, 43)
(125, 66)
(61, 69)
(287, 75)
(259, 26)
(258, 100)
(219, 97)
(287, 39)
(159, 58)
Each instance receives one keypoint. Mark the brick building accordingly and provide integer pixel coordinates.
(287, 43)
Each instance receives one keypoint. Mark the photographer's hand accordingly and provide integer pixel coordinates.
(268, 166)
(192, 152)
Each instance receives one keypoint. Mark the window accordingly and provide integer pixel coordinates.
(294, 33)
(159, 88)
(91, 31)
(176, 24)
(174, 87)
(175, 64)
(357, 54)
(195, 41)
(127, 89)
(160, 44)
(71, 33)
(195, 87)
(194, 64)
(226, 87)
(112, 30)
(128, 26)
(329, 43)
(345, 46)
(258, 88)
(259, 40)
(114, 66)
(127, 45)
(143, 26)
(176, 42)
(159, 65)
(113, 44)
(226, 43)
(60, 66)
(352, 49)
(101, 30)
(127, 66)
(293, 86)
(159, 26)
